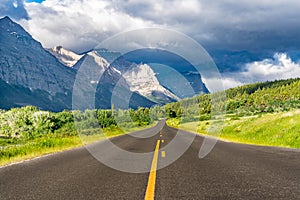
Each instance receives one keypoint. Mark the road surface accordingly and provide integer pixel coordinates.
(230, 171)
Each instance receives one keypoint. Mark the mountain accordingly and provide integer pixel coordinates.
(98, 75)
(26, 65)
(166, 64)
(137, 78)
(141, 78)
(23, 61)
(148, 80)
(66, 57)
(31, 75)
(17, 96)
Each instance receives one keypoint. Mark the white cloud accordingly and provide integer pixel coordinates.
(280, 67)
(216, 84)
(161, 11)
(15, 4)
(229, 82)
(229, 24)
(235, 25)
(77, 24)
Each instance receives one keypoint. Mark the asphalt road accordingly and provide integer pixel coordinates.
(230, 171)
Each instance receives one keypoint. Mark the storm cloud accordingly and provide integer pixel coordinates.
(242, 36)
(222, 24)
(229, 24)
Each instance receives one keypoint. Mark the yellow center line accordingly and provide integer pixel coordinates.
(163, 154)
(152, 176)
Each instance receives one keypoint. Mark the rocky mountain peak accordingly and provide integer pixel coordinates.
(142, 79)
(66, 57)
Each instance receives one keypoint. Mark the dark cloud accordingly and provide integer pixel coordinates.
(226, 24)
(234, 32)
(14, 9)
(255, 26)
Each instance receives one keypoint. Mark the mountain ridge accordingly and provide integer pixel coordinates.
(23, 61)
(47, 76)
(66, 57)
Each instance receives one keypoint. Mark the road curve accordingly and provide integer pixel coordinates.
(230, 171)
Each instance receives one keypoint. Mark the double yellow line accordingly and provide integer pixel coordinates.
(152, 176)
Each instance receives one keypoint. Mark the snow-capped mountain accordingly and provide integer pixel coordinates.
(141, 78)
(101, 62)
(30, 75)
(66, 57)
(96, 72)
(172, 71)
(96, 66)
(137, 78)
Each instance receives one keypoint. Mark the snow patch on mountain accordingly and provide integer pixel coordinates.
(66, 57)
(101, 62)
(141, 78)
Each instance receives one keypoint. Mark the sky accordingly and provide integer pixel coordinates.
(37, 1)
(269, 28)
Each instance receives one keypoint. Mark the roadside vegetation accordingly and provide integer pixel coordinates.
(28, 132)
(271, 129)
(262, 113)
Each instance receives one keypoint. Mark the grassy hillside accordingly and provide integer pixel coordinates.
(272, 129)
(261, 113)
(247, 100)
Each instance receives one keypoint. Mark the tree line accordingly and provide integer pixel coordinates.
(29, 122)
(251, 99)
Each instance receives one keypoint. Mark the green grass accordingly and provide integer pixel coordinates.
(277, 129)
(37, 147)
(13, 150)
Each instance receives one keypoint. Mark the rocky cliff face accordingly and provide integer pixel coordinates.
(23, 61)
(96, 73)
(136, 78)
(31, 75)
(141, 78)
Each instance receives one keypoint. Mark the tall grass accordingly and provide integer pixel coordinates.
(277, 129)
(37, 147)
(12, 150)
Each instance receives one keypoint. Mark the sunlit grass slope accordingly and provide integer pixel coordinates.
(277, 129)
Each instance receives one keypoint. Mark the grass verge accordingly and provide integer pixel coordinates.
(277, 129)
(12, 151)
